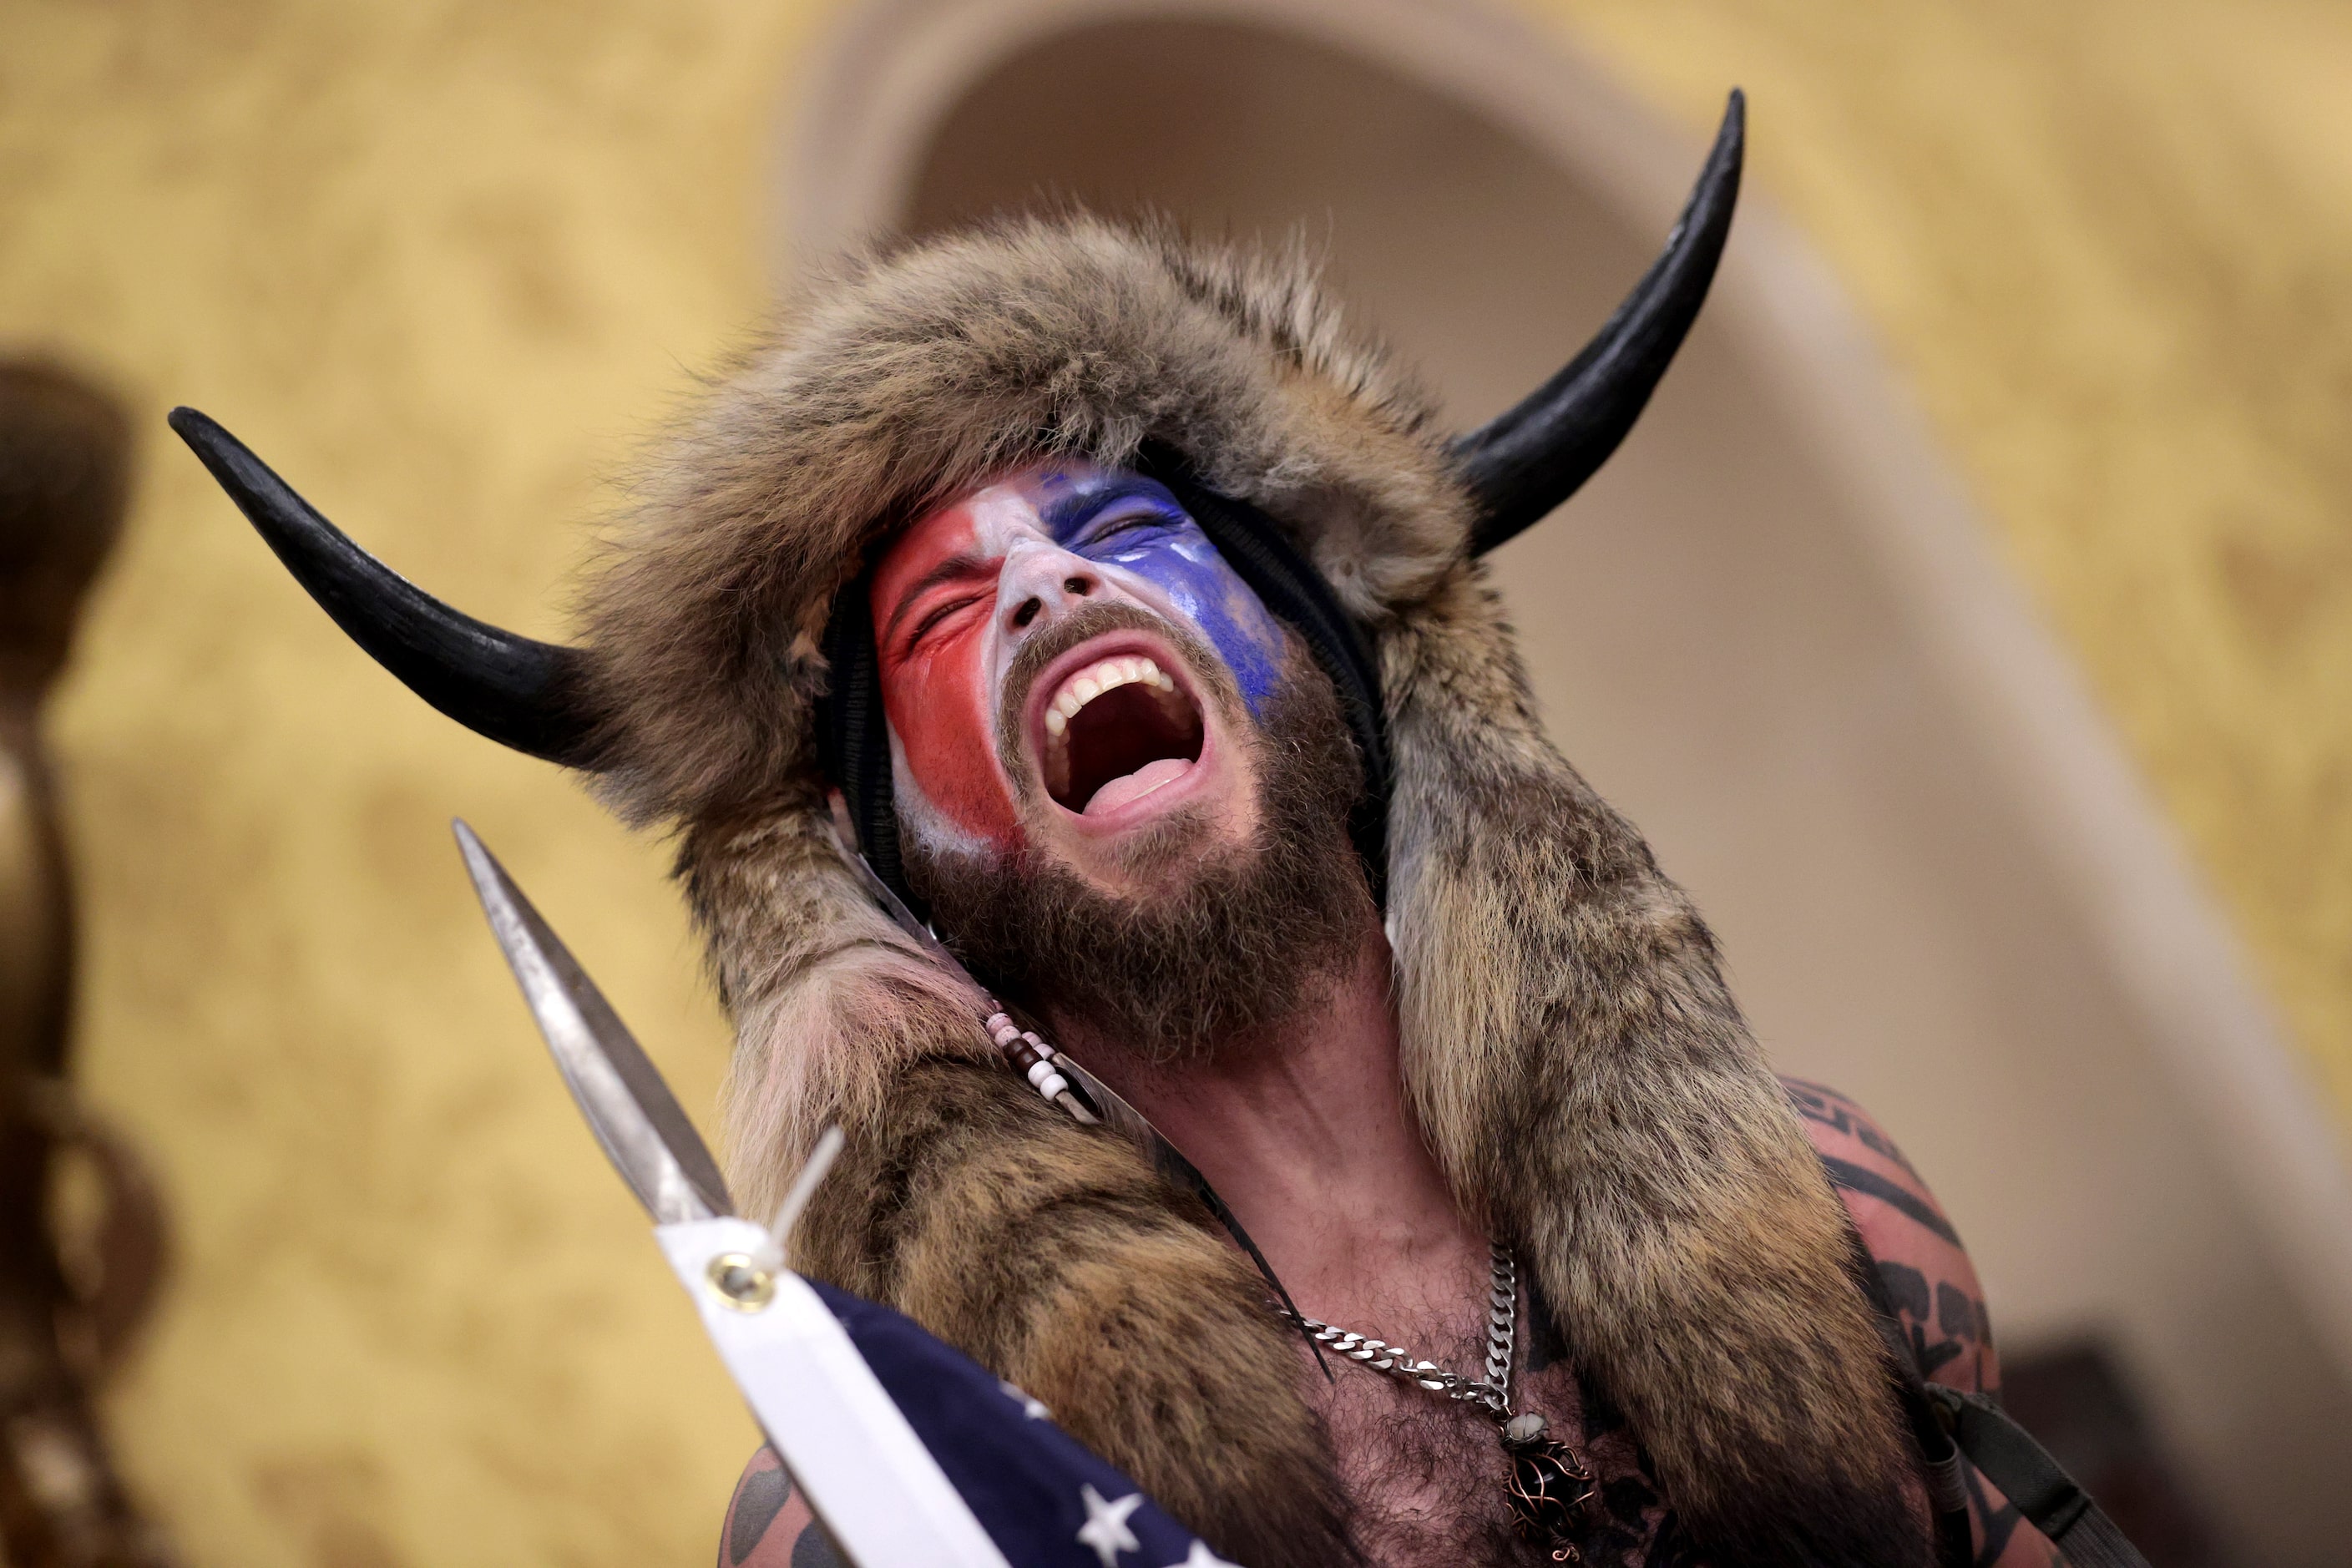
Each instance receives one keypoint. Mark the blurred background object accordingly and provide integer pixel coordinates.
(1967, 623)
(81, 1231)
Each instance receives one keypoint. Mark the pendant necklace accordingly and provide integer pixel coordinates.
(1550, 1486)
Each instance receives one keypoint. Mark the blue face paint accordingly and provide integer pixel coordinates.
(1126, 521)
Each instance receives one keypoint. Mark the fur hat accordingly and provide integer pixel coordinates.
(1570, 1047)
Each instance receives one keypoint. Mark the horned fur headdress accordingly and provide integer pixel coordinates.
(1574, 1057)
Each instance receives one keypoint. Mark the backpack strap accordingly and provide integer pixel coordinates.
(1954, 1428)
(2050, 1498)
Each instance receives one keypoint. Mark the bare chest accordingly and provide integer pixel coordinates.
(1425, 1476)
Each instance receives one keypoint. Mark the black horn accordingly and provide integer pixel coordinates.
(1530, 458)
(520, 693)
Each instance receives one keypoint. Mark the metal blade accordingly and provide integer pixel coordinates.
(629, 1107)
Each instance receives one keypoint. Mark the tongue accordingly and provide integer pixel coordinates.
(1137, 784)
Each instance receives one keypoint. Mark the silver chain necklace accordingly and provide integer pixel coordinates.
(1491, 1394)
(1549, 1484)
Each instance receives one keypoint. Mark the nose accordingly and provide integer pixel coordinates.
(1042, 582)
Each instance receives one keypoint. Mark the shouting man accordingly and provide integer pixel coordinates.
(1125, 613)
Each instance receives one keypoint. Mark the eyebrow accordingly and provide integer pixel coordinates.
(1072, 512)
(948, 571)
(1069, 512)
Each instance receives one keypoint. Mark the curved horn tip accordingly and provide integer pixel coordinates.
(1531, 457)
(1731, 131)
(523, 693)
(210, 441)
(200, 430)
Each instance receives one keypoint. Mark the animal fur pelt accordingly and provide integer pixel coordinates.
(1570, 1045)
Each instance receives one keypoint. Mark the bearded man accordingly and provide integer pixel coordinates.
(1123, 610)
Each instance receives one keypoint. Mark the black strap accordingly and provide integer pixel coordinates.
(1947, 1495)
(1263, 556)
(2050, 1498)
(853, 736)
(1972, 1428)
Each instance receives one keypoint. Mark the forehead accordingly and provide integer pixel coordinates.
(989, 516)
(1043, 500)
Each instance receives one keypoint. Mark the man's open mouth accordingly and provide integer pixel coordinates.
(1116, 730)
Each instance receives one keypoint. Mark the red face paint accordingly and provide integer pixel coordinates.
(934, 599)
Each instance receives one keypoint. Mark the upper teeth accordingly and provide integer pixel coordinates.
(1106, 675)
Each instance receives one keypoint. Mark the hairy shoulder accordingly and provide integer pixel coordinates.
(1925, 1270)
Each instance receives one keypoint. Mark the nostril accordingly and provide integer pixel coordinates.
(1026, 613)
(1077, 586)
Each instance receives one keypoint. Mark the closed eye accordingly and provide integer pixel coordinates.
(930, 621)
(1131, 522)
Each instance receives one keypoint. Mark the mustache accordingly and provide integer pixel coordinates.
(1211, 680)
(1235, 937)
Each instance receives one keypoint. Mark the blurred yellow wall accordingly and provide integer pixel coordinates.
(443, 265)
(2109, 244)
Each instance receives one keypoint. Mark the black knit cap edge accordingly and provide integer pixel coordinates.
(1286, 581)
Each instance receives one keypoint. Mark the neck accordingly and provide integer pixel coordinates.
(1303, 1129)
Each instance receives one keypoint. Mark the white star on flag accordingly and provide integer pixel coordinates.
(1202, 1557)
(1106, 1527)
(1032, 1407)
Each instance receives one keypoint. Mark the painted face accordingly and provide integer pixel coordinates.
(968, 585)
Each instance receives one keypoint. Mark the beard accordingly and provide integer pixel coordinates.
(1234, 937)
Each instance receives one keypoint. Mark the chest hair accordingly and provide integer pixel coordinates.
(1424, 1476)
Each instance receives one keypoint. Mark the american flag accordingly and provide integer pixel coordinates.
(909, 1451)
(1044, 1498)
